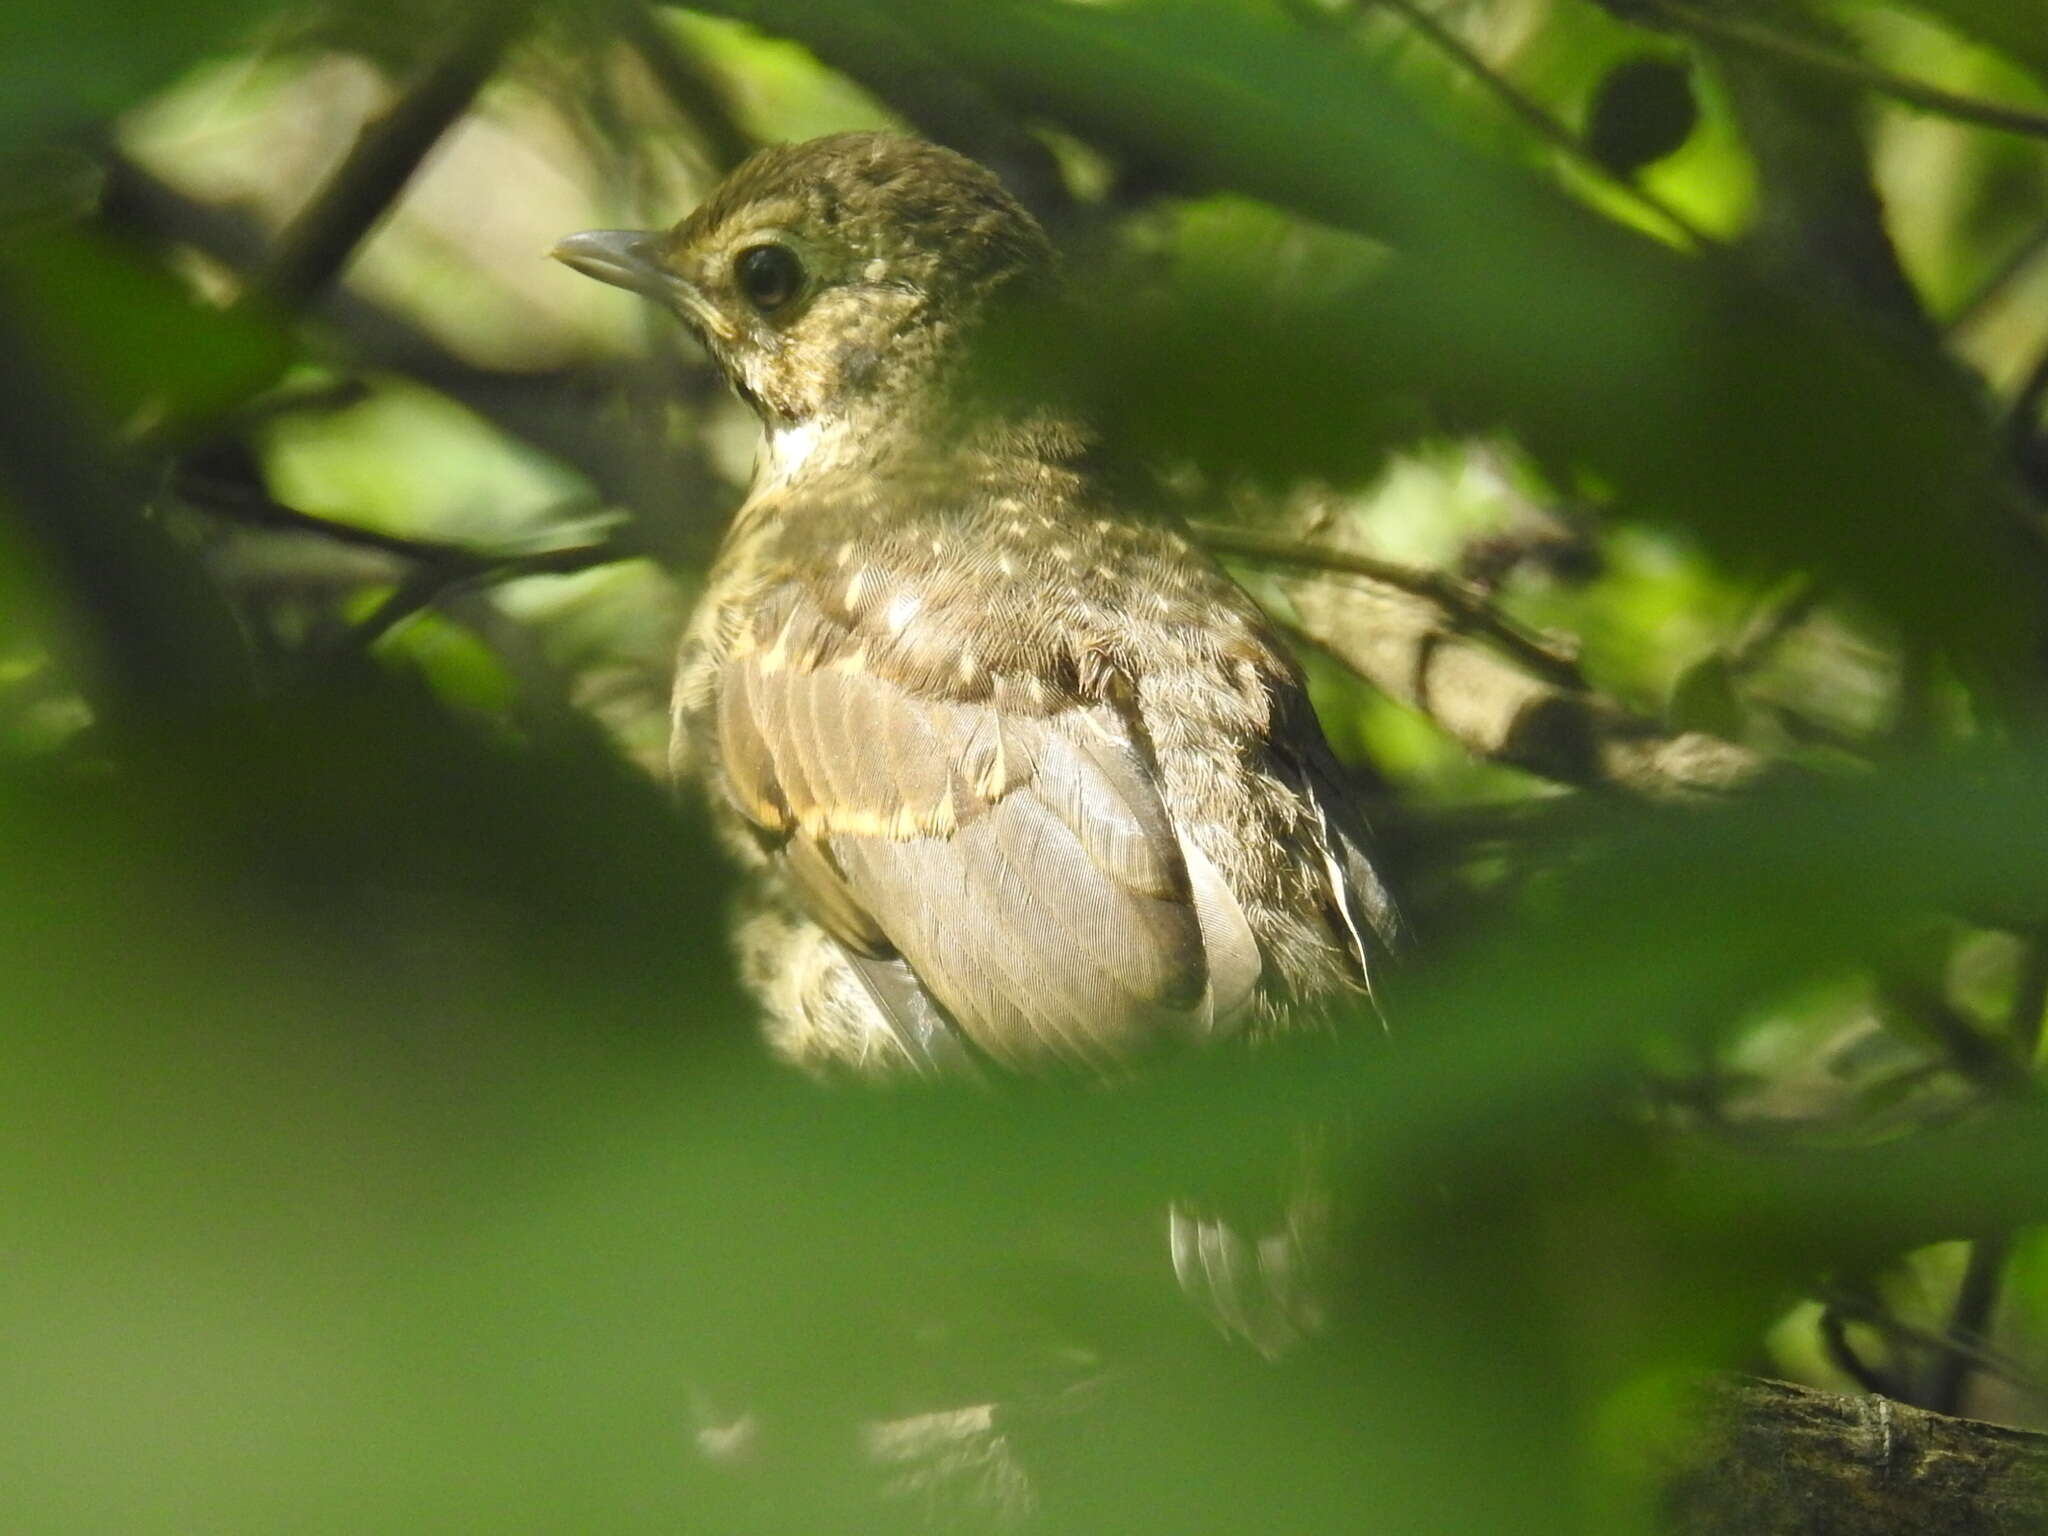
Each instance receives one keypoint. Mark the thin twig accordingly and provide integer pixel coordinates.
(547, 409)
(1789, 608)
(1976, 1303)
(692, 88)
(243, 504)
(1993, 1362)
(1834, 1338)
(2001, 277)
(1467, 608)
(1536, 117)
(431, 584)
(1969, 1320)
(420, 590)
(135, 200)
(319, 242)
(2023, 416)
(1973, 1053)
(446, 563)
(2029, 1002)
(1810, 56)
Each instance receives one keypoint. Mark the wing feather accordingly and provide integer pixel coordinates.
(1119, 940)
(1110, 806)
(1023, 867)
(752, 780)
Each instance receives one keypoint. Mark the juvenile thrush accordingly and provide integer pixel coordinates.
(1030, 781)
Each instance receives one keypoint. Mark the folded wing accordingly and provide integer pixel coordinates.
(1019, 861)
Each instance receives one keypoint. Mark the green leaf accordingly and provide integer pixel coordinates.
(1704, 698)
(143, 352)
(1783, 432)
(2016, 28)
(68, 65)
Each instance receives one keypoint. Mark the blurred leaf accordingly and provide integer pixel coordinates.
(143, 634)
(387, 1143)
(1642, 111)
(58, 183)
(348, 1117)
(1784, 435)
(460, 667)
(305, 1020)
(2016, 28)
(413, 461)
(142, 351)
(68, 65)
(1704, 698)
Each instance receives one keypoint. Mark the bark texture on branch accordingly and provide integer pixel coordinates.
(1773, 1459)
(1409, 648)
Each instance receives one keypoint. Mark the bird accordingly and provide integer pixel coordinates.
(1026, 782)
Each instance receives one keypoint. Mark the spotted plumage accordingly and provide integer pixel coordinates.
(1028, 780)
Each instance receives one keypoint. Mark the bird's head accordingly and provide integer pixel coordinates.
(835, 279)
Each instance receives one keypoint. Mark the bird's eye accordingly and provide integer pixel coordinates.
(769, 275)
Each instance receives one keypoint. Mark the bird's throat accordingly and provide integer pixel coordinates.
(789, 448)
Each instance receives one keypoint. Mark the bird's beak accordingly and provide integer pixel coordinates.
(626, 258)
(631, 259)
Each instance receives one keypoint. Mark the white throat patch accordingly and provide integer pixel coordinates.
(785, 451)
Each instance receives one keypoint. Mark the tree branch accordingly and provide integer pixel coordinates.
(1773, 1459)
(318, 243)
(439, 567)
(1412, 635)
(1976, 1303)
(1843, 1355)
(551, 410)
(242, 504)
(1463, 605)
(1860, 1307)
(1747, 35)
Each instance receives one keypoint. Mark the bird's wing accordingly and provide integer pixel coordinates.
(1018, 858)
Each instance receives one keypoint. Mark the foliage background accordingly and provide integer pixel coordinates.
(385, 1146)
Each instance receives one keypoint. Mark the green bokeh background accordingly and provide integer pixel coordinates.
(386, 1145)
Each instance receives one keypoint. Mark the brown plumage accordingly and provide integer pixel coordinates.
(1029, 779)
